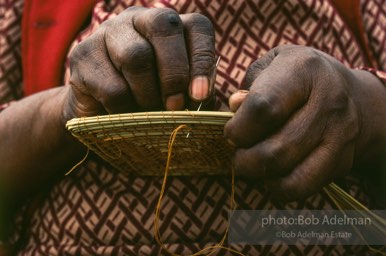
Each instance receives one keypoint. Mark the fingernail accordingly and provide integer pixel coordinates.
(199, 88)
(231, 143)
(236, 99)
(175, 102)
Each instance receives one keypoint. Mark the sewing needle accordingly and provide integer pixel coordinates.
(199, 107)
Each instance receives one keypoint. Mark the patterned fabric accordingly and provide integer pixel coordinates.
(98, 211)
(374, 20)
(10, 50)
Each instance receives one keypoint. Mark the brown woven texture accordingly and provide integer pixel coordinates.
(138, 142)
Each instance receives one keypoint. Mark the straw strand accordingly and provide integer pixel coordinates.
(207, 250)
(81, 162)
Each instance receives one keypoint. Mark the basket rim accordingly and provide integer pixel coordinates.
(158, 116)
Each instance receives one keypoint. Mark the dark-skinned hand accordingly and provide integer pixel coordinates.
(305, 121)
(141, 60)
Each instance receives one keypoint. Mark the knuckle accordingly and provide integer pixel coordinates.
(258, 66)
(199, 22)
(167, 16)
(87, 48)
(159, 22)
(283, 49)
(81, 51)
(301, 57)
(75, 79)
(77, 62)
(112, 94)
(268, 107)
(107, 24)
(339, 101)
(174, 82)
(134, 9)
(136, 56)
(127, 15)
(310, 59)
(202, 62)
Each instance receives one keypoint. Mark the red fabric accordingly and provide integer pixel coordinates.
(350, 10)
(48, 29)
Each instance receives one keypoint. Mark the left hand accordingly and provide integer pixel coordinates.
(304, 121)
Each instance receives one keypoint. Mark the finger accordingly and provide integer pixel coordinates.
(274, 96)
(236, 99)
(164, 29)
(281, 152)
(331, 159)
(133, 56)
(255, 69)
(199, 35)
(94, 75)
(253, 72)
(319, 169)
(207, 105)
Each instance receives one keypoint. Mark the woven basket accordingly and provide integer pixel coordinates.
(138, 142)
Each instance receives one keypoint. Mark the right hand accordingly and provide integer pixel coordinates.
(143, 59)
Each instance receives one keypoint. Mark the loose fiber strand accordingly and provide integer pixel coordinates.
(78, 164)
(207, 250)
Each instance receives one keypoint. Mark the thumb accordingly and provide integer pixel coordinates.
(236, 99)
